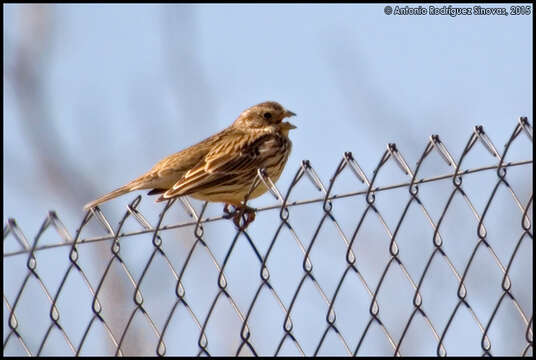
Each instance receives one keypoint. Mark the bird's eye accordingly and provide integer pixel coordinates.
(267, 115)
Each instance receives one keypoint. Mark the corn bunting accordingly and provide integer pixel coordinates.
(222, 167)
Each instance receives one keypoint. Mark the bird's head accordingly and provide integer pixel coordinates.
(265, 115)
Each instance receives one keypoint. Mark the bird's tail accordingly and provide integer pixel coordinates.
(118, 192)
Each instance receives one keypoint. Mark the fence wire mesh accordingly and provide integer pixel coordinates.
(358, 272)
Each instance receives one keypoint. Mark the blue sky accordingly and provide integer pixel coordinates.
(126, 85)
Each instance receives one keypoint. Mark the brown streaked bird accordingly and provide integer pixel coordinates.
(222, 167)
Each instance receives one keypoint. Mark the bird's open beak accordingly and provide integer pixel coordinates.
(286, 125)
(289, 113)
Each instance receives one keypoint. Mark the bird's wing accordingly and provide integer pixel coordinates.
(165, 173)
(223, 165)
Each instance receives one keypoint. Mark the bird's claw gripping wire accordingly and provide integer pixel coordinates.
(242, 216)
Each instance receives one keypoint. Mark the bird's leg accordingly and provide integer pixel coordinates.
(227, 214)
(250, 217)
(244, 213)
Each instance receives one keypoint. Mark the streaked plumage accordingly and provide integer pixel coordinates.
(222, 167)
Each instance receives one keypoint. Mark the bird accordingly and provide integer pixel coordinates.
(222, 167)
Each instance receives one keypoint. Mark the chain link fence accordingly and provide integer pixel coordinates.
(431, 265)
